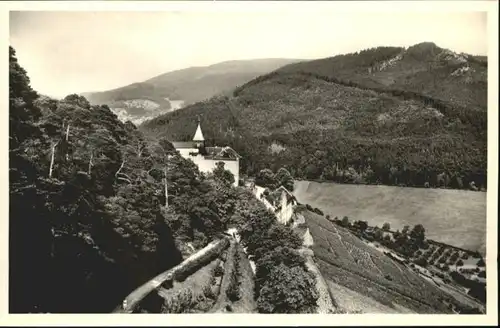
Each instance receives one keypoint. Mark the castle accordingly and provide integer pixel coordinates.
(206, 158)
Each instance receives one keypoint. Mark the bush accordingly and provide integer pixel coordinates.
(465, 256)
(481, 263)
(233, 290)
(309, 208)
(460, 263)
(318, 211)
(288, 290)
(482, 274)
(421, 261)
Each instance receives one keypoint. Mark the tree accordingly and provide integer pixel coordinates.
(345, 221)
(378, 234)
(418, 233)
(280, 255)
(386, 227)
(288, 290)
(265, 178)
(285, 179)
(223, 175)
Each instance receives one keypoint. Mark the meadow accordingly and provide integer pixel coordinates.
(454, 217)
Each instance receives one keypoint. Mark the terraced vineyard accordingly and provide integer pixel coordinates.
(347, 261)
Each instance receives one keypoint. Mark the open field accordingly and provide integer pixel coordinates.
(454, 217)
(347, 261)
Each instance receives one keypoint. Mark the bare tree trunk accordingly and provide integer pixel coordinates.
(166, 190)
(90, 162)
(52, 159)
(67, 133)
(123, 163)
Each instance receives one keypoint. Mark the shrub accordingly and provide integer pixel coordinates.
(309, 208)
(465, 256)
(318, 211)
(281, 255)
(421, 261)
(288, 290)
(482, 274)
(233, 290)
(481, 263)
(460, 263)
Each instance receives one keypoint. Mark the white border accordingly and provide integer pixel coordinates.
(258, 320)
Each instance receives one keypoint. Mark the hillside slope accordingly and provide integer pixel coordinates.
(414, 117)
(374, 282)
(152, 97)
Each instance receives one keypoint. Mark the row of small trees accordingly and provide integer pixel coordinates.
(282, 282)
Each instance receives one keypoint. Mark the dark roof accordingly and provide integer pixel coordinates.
(222, 153)
(183, 144)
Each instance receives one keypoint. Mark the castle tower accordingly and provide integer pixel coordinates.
(198, 136)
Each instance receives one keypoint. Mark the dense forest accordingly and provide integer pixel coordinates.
(97, 209)
(410, 117)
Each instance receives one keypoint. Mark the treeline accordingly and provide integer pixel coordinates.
(432, 162)
(89, 220)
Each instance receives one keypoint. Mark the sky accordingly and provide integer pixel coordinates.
(74, 52)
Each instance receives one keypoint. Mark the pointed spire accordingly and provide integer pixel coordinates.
(198, 136)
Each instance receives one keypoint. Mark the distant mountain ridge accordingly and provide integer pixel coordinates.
(412, 116)
(143, 100)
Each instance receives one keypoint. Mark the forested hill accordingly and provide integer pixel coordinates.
(414, 117)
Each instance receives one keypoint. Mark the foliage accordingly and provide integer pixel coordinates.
(223, 175)
(266, 179)
(284, 178)
(288, 290)
(233, 291)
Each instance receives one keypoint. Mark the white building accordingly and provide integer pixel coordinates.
(284, 204)
(280, 201)
(206, 158)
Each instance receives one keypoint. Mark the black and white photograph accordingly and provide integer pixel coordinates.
(210, 160)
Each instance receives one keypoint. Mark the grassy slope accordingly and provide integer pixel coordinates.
(347, 261)
(454, 217)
